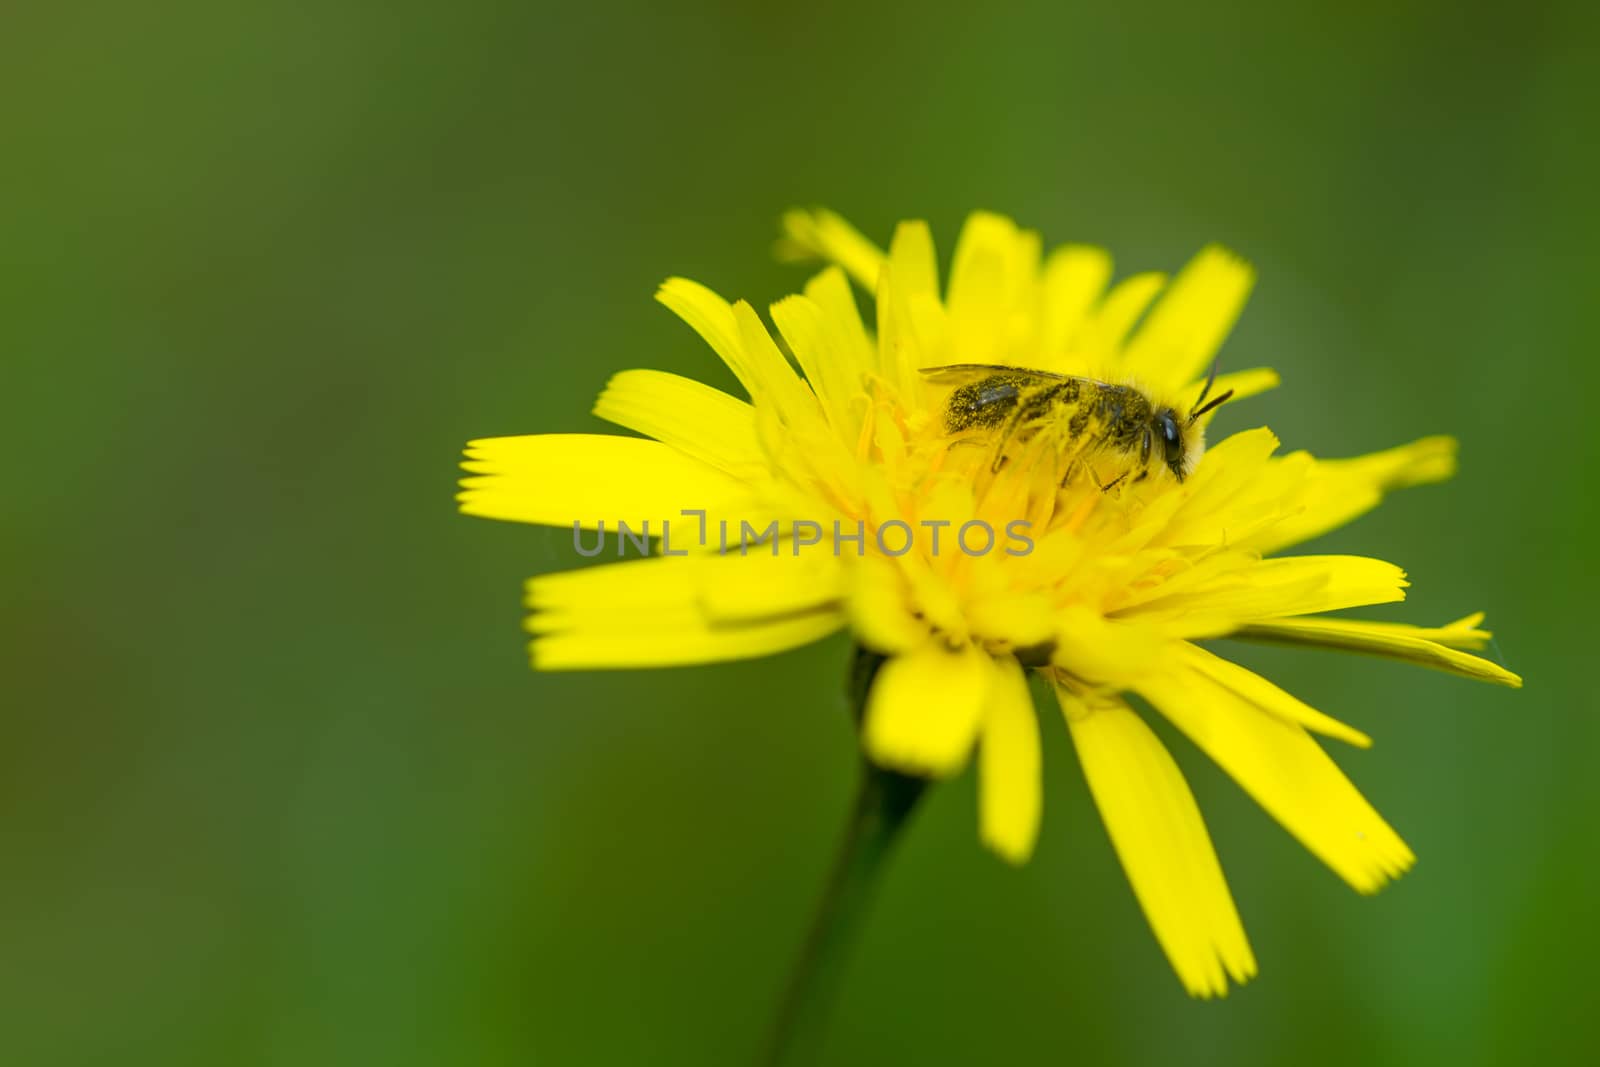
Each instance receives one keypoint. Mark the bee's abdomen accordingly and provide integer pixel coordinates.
(987, 404)
(983, 404)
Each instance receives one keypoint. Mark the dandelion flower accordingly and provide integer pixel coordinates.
(818, 504)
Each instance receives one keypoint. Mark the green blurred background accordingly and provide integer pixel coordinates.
(276, 784)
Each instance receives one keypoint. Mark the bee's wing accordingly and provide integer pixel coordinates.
(963, 373)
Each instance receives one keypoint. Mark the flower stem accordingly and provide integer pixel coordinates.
(884, 802)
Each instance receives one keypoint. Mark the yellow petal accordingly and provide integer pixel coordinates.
(1230, 489)
(880, 614)
(916, 292)
(1340, 490)
(805, 327)
(776, 382)
(589, 479)
(911, 253)
(712, 318)
(925, 709)
(993, 276)
(1287, 773)
(1293, 585)
(1465, 632)
(1105, 651)
(899, 353)
(820, 234)
(692, 417)
(735, 332)
(1186, 328)
(1412, 644)
(1020, 619)
(1108, 324)
(1074, 278)
(676, 642)
(768, 582)
(677, 611)
(1268, 697)
(1010, 792)
(830, 291)
(1422, 462)
(1156, 829)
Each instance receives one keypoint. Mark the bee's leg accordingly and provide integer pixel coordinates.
(1077, 458)
(1142, 476)
(1105, 487)
(1006, 433)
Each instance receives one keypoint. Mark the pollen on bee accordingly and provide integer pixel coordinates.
(1114, 431)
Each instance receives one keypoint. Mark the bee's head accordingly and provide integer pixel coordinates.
(1184, 441)
(1171, 432)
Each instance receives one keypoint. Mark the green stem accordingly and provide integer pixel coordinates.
(884, 802)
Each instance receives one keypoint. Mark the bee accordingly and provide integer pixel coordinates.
(1090, 418)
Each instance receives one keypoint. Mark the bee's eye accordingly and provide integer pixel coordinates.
(1171, 436)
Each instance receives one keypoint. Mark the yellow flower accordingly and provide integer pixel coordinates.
(1105, 592)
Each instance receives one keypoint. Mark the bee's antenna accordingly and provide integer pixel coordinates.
(1211, 380)
(1215, 403)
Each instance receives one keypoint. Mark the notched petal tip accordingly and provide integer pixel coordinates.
(1439, 648)
(1431, 459)
(1386, 872)
(1159, 836)
(817, 233)
(1279, 764)
(1218, 254)
(1421, 462)
(1012, 855)
(678, 288)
